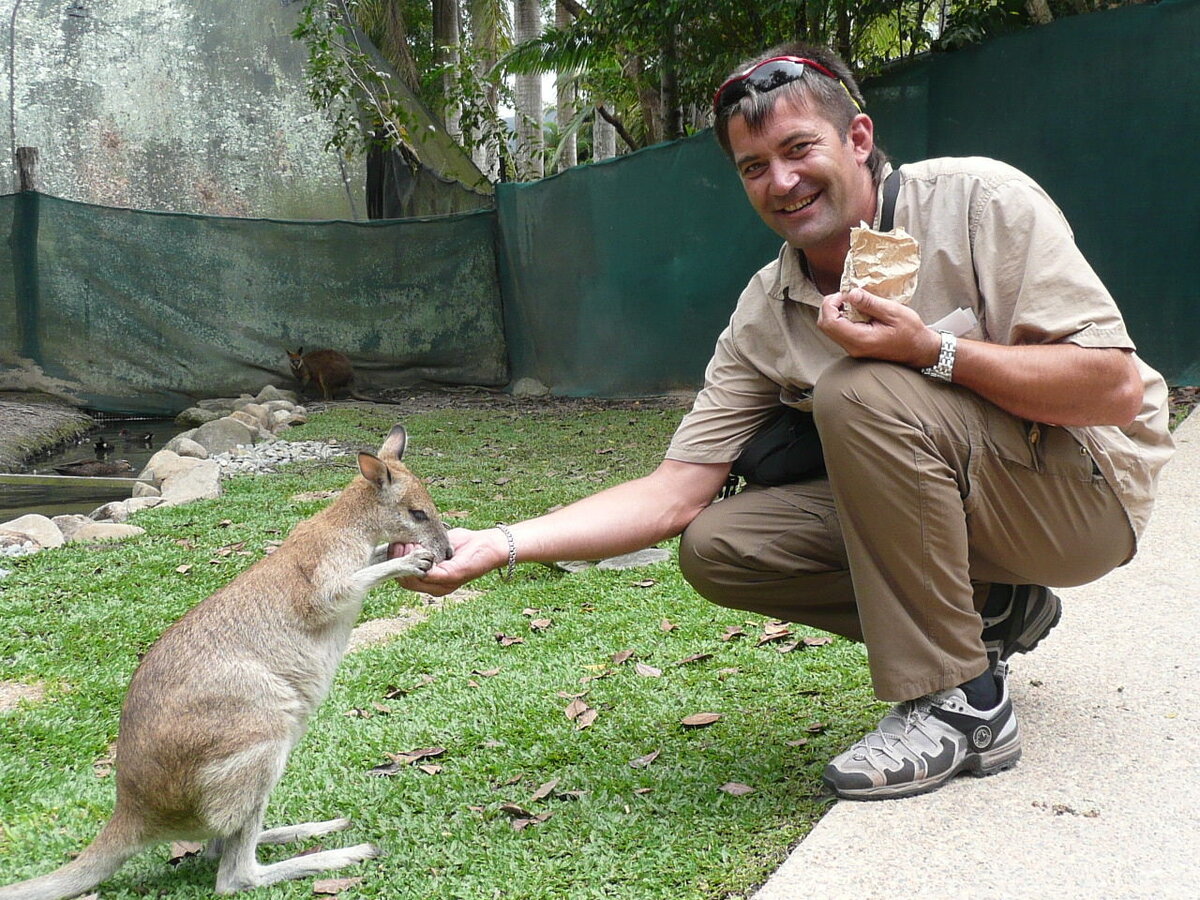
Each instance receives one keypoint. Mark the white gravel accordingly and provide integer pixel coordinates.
(269, 456)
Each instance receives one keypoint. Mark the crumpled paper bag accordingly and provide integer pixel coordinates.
(884, 263)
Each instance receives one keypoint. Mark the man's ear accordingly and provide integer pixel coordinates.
(862, 136)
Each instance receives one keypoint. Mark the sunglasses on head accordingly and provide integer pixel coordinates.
(767, 76)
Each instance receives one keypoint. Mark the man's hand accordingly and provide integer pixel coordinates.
(475, 553)
(895, 332)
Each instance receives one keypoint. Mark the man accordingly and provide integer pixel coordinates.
(963, 471)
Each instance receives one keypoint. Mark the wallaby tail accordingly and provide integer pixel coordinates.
(99, 861)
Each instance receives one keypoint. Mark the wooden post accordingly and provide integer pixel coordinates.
(27, 159)
(24, 243)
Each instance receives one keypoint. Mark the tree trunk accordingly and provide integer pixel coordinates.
(486, 33)
(672, 114)
(446, 53)
(528, 90)
(604, 138)
(1039, 11)
(568, 154)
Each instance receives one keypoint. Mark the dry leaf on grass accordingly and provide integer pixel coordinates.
(400, 761)
(544, 791)
(622, 657)
(736, 789)
(700, 720)
(331, 887)
(643, 761)
(647, 671)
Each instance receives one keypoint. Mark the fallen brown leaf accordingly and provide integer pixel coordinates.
(647, 671)
(575, 709)
(544, 791)
(506, 640)
(622, 657)
(331, 887)
(699, 720)
(736, 789)
(695, 657)
(817, 641)
(643, 761)
(667, 625)
(586, 719)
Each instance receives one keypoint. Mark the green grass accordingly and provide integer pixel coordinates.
(76, 619)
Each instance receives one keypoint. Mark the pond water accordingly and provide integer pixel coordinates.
(135, 440)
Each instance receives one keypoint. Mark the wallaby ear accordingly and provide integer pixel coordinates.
(374, 469)
(393, 447)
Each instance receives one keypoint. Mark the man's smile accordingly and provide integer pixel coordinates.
(800, 204)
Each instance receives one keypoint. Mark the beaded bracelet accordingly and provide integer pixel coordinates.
(507, 574)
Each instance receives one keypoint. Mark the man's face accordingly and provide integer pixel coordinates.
(808, 184)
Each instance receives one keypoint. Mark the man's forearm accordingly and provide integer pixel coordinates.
(623, 518)
(1060, 384)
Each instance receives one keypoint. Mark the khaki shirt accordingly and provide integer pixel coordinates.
(992, 241)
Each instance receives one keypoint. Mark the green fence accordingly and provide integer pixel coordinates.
(144, 312)
(611, 279)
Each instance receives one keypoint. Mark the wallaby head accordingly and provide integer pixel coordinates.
(406, 512)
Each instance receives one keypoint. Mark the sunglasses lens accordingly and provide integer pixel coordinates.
(766, 77)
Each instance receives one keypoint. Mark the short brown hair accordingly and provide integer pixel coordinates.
(838, 103)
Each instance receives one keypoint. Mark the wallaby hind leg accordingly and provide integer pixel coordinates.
(240, 870)
(284, 835)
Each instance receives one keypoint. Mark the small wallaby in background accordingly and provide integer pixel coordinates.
(221, 698)
(330, 370)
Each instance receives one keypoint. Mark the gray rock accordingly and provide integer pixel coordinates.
(106, 531)
(223, 434)
(219, 405)
(201, 481)
(185, 446)
(271, 393)
(194, 416)
(529, 387)
(174, 443)
(635, 560)
(13, 543)
(144, 491)
(164, 464)
(37, 528)
(274, 406)
(68, 525)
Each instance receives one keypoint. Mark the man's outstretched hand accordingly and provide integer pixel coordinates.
(475, 553)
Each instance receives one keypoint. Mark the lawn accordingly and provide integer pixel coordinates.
(548, 711)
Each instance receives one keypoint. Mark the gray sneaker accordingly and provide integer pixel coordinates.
(921, 744)
(1025, 614)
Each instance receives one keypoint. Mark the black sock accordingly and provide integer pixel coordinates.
(981, 691)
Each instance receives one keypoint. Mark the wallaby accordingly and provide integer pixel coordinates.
(330, 370)
(221, 698)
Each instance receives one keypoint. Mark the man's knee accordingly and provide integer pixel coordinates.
(861, 385)
(702, 554)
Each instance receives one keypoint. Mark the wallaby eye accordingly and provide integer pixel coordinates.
(419, 515)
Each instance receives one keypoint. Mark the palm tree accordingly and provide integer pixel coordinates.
(528, 27)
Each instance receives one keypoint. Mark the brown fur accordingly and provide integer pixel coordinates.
(329, 370)
(222, 697)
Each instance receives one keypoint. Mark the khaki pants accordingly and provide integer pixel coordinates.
(932, 494)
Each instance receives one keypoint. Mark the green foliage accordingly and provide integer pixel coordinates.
(347, 84)
(77, 619)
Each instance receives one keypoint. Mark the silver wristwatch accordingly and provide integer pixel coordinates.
(943, 369)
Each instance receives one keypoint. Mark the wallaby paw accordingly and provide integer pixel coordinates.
(421, 560)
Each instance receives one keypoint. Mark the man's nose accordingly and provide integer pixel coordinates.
(783, 177)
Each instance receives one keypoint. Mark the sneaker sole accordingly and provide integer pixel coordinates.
(1037, 628)
(978, 764)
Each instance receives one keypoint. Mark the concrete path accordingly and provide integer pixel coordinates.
(1106, 799)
